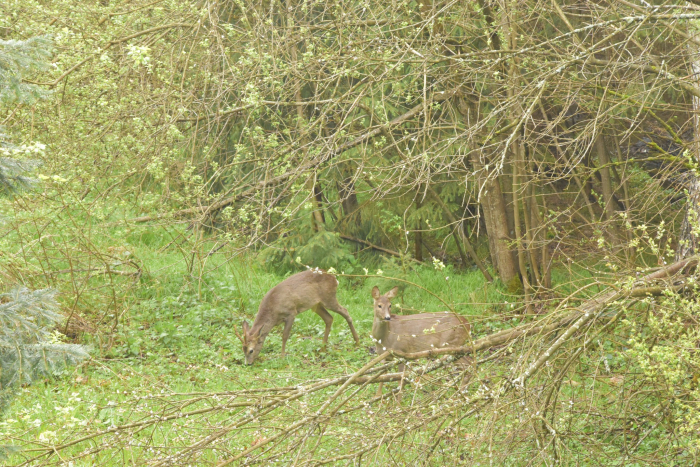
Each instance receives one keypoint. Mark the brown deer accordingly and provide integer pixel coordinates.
(313, 289)
(414, 333)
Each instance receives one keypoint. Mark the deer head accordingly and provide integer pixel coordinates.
(251, 343)
(382, 303)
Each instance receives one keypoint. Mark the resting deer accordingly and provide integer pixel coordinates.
(414, 333)
(313, 289)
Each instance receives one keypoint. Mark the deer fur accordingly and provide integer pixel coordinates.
(414, 333)
(313, 289)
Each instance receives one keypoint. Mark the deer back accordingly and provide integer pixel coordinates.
(419, 332)
(295, 294)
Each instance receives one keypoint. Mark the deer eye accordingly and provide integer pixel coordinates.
(379, 306)
(250, 351)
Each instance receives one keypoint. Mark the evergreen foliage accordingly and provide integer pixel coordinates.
(28, 347)
(17, 60)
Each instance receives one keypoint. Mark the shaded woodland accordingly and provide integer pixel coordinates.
(531, 165)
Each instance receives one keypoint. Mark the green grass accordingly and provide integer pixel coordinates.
(174, 344)
(177, 337)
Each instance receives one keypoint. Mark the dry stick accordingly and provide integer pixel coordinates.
(368, 381)
(493, 340)
(318, 413)
(298, 392)
(375, 247)
(594, 306)
(447, 409)
(264, 410)
(591, 311)
(560, 376)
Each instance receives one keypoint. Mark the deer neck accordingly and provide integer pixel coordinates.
(380, 329)
(262, 325)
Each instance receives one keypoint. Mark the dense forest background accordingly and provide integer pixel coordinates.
(529, 164)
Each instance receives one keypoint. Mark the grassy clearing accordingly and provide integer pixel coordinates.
(177, 338)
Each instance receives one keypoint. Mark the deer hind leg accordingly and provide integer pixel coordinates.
(342, 311)
(327, 318)
(379, 389)
(287, 330)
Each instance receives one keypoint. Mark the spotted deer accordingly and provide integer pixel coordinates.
(313, 289)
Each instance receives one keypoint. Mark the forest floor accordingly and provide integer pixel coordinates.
(176, 337)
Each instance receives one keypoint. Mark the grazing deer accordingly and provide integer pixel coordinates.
(313, 289)
(414, 333)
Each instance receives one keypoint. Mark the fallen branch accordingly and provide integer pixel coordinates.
(262, 402)
(376, 247)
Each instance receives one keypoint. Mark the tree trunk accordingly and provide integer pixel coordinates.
(418, 234)
(606, 181)
(320, 217)
(494, 209)
(517, 150)
(348, 201)
(688, 240)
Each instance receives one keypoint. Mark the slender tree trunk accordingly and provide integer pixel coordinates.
(531, 220)
(517, 195)
(320, 217)
(608, 192)
(351, 219)
(688, 241)
(418, 234)
(546, 266)
(606, 181)
(631, 251)
(506, 180)
(516, 150)
(348, 201)
(561, 155)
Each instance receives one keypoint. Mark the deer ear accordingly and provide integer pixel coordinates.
(392, 293)
(246, 328)
(375, 292)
